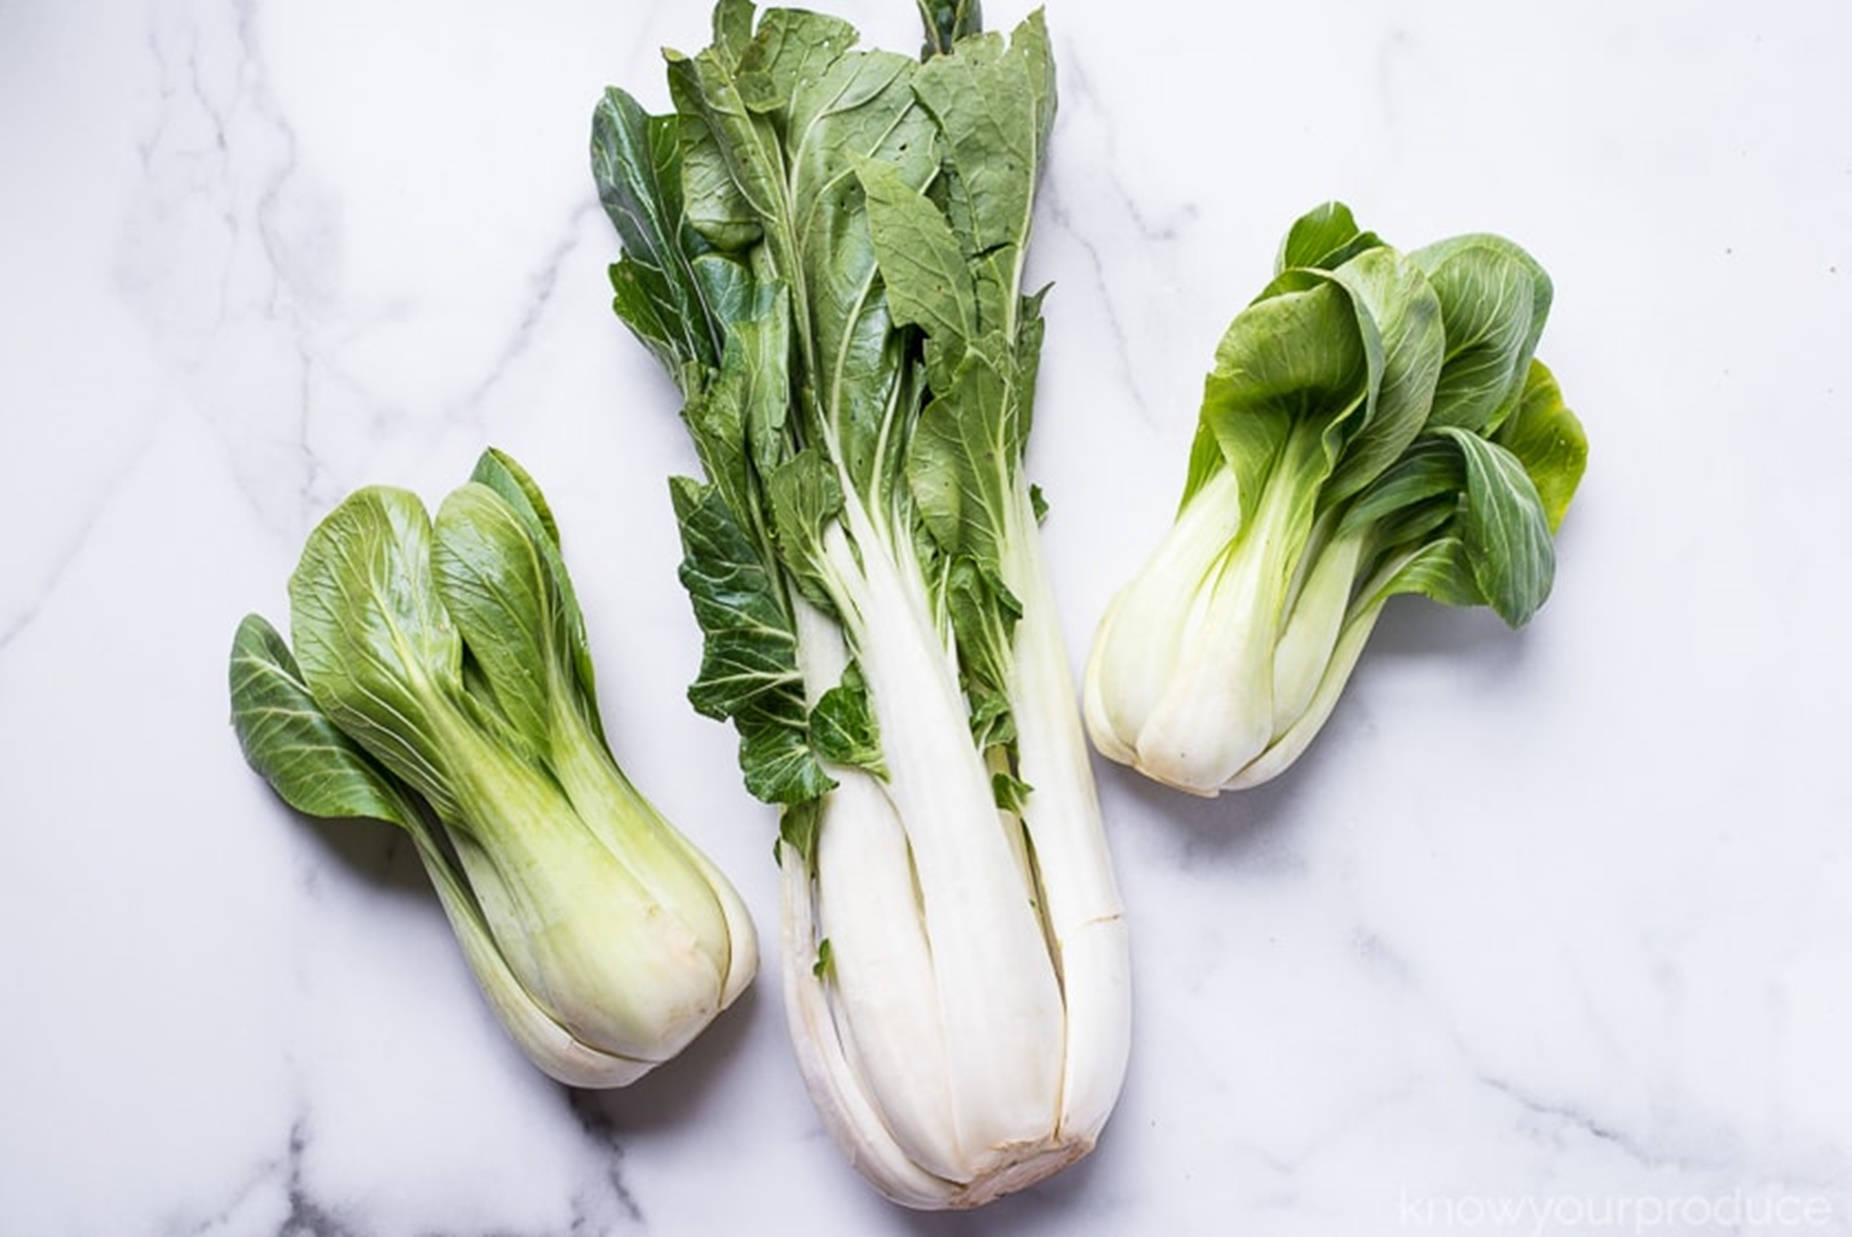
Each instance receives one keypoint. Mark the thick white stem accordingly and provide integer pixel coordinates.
(1312, 629)
(1136, 649)
(835, 1088)
(999, 1002)
(546, 1043)
(1081, 897)
(1291, 745)
(1216, 711)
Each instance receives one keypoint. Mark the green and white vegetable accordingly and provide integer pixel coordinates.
(1375, 424)
(441, 681)
(825, 247)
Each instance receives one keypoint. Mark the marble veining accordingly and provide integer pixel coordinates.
(1546, 926)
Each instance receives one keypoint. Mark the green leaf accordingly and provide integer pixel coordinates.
(792, 47)
(1038, 504)
(994, 106)
(822, 968)
(1296, 356)
(732, 28)
(287, 738)
(1010, 792)
(749, 667)
(1392, 292)
(804, 495)
(1494, 300)
(843, 726)
(1325, 237)
(1438, 570)
(500, 472)
(1548, 438)
(1431, 470)
(798, 826)
(923, 267)
(948, 21)
(983, 614)
(377, 648)
(504, 586)
(737, 423)
(1503, 529)
(961, 465)
(636, 162)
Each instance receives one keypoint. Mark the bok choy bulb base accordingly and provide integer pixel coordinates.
(441, 681)
(1376, 423)
(825, 248)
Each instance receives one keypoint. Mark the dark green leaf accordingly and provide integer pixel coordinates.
(1393, 294)
(804, 495)
(1494, 299)
(1504, 530)
(637, 166)
(1010, 792)
(843, 726)
(749, 663)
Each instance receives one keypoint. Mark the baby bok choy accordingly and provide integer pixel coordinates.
(441, 682)
(825, 247)
(1376, 423)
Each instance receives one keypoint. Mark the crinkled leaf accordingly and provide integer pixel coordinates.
(923, 267)
(962, 462)
(1010, 792)
(994, 106)
(804, 495)
(791, 47)
(843, 726)
(749, 667)
(636, 162)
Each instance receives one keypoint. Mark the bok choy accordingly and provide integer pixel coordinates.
(1376, 423)
(825, 247)
(441, 681)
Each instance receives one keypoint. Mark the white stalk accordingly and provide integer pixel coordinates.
(1136, 648)
(1291, 745)
(1081, 897)
(546, 1043)
(1311, 633)
(999, 1002)
(1215, 713)
(836, 1089)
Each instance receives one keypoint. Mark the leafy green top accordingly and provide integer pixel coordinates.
(1396, 397)
(825, 247)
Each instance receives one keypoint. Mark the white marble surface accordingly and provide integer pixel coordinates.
(1563, 916)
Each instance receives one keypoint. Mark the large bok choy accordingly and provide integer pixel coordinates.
(825, 247)
(441, 682)
(1376, 423)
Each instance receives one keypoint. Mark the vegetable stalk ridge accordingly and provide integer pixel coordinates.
(825, 247)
